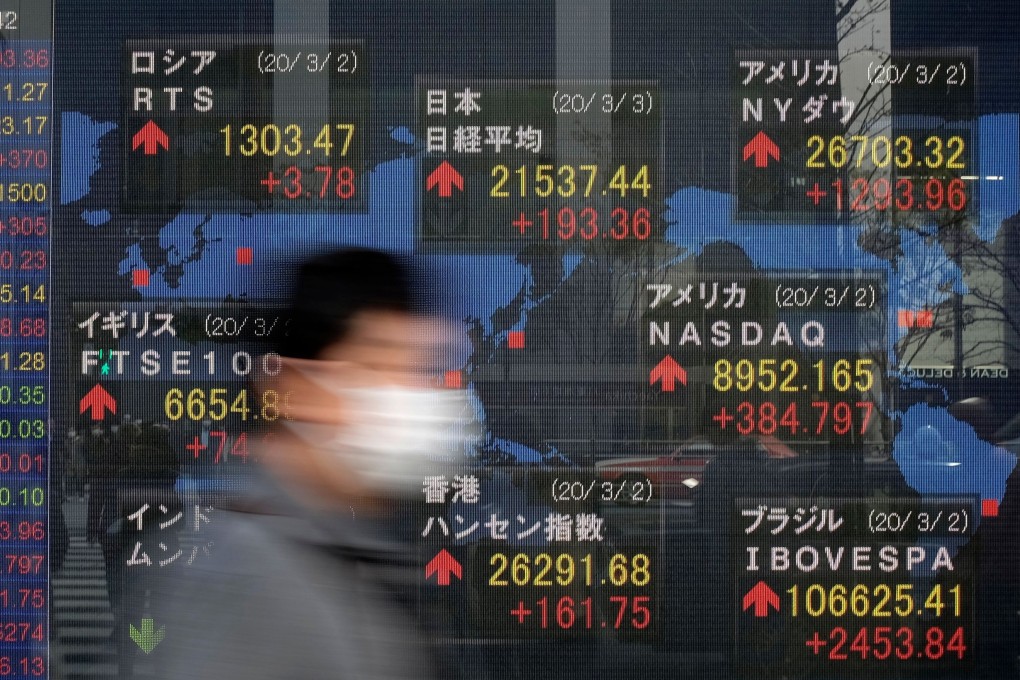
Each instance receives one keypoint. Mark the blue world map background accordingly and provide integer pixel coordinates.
(937, 453)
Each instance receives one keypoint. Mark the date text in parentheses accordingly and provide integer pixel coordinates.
(347, 62)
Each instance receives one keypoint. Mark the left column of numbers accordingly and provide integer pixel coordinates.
(26, 134)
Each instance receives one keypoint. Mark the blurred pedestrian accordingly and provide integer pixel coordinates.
(300, 578)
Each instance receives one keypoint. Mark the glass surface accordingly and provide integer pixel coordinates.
(732, 299)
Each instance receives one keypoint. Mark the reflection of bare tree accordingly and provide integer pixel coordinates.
(988, 313)
(863, 39)
(852, 14)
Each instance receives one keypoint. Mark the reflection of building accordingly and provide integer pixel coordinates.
(974, 337)
(1010, 238)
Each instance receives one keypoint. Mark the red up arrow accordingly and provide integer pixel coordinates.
(445, 176)
(443, 564)
(151, 137)
(96, 402)
(668, 371)
(761, 147)
(761, 597)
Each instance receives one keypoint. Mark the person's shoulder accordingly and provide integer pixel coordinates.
(242, 543)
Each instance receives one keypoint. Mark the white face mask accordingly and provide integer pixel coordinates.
(393, 435)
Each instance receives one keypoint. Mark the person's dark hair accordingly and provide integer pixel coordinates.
(333, 287)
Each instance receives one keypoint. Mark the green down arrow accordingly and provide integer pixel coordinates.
(147, 638)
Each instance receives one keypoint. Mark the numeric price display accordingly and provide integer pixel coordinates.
(777, 413)
(855, 585)
(908, 172)
(788, 355)
(224, 447)
(217, 404)
(810, 146)
(539, 161)
(566, 590)
(278, 124)
(26, 111)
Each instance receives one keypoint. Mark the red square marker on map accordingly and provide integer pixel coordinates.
(905, 318)
(924, 318)
(515, 339)
(243, 255)
(989, 507)
(139, 278)
(452, 380)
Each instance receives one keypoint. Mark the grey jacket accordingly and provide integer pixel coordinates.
(288, 594)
